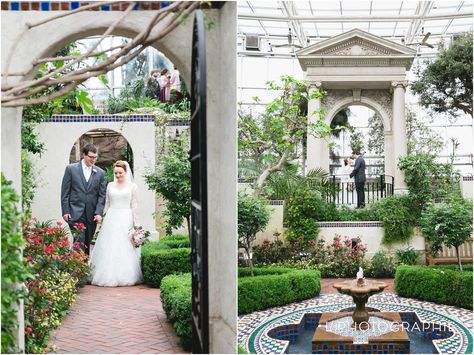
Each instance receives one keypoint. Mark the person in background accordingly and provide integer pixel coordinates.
(359, 177)
(165, 85)
(153, 85)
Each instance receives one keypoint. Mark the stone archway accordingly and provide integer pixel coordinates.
(22, 44)
(61, 133)
(377, 100)
(357, 67)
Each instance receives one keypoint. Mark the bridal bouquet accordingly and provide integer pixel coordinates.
(138, 236)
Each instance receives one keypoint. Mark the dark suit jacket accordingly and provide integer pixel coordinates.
(359, 170)
(78, 195)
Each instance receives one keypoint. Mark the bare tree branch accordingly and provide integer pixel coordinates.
(17, 95)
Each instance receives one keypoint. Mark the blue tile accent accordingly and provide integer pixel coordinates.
(137, 6)
(74, 5)
(165, 4)
(45, 6)
(105, 8)
(15, 6)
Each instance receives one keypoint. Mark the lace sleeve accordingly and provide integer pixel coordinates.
(134, 204)
(107, 199)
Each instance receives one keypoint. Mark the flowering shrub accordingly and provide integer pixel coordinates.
(58, 270)
(271, 252)
(343, 257)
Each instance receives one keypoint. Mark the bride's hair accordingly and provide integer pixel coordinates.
(121, 164)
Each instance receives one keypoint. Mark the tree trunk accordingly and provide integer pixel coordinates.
(459, 258)
(248, 250)
(267, 172)
(188, 221)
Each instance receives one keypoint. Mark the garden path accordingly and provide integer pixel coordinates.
(326, 285)
(116, 320)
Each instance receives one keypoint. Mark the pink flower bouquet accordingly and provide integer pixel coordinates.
(138, 236)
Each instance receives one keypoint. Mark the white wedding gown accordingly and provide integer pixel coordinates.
(115, 261)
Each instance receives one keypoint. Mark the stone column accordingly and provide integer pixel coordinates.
(222, 179)
(317, 149)
(399, 133)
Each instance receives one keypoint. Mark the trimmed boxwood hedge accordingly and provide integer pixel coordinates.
(465, 267)
(176, 296)
(165, 257)
(439, 285)
(275, 286)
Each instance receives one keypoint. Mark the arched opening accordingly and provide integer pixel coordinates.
(358, 127)
(112, 146)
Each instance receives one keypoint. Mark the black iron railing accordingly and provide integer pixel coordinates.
(342, 190)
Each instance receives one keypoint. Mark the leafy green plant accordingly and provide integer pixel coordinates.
(277, 135)
(345, 213)
(426, 179)
(176, 297)
(435, 284)
(172, 180)
(253, 217)
(303, 212)
(448, 223)
(445, 84)
(408, 256)
(382, 265)
(397, 218)
(14, 271)
(275, 286)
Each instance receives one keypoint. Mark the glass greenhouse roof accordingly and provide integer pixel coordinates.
(406, 22)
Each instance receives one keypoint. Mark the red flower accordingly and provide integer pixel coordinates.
(28, 330)
(80, 226)
(29, 258)
(49, 249)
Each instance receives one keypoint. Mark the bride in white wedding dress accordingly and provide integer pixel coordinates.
(115, 261)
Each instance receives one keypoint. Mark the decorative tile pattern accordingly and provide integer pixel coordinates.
(276, 202)
(254, 328)
(112, 118)
(468, 178)
(73, 5)
(350, 224)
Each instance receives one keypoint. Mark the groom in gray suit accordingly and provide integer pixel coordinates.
(83, 194)
(359, 177)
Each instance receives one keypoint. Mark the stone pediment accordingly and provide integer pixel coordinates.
(354, 46)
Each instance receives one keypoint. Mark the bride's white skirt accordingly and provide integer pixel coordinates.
(115, 261)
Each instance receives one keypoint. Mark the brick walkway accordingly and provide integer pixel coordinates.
(326, 285)
(106, 320)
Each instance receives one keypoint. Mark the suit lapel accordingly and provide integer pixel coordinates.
(89, 184)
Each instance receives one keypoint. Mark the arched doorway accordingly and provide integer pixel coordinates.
(112, 146)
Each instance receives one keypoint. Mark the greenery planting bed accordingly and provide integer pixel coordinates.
(176, 296)
(275, 286)
(169, 255)
(440, 285)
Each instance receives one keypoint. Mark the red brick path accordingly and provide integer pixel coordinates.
(116, 320)
(326, 285)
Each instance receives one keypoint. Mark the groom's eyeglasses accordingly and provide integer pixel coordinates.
(92, 157)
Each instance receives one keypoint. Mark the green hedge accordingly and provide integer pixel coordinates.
(176, 297)
(465, 267)
(275, 286)
(438, 285)
(165, 257)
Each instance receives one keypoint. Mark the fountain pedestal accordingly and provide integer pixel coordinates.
(325, 341)
(360, 332)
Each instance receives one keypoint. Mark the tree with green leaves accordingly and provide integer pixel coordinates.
(448, 223)
(276, 136)
(171, 179)
(253, 217)
(445, 85)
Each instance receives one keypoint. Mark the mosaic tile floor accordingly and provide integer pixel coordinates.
(253, 328)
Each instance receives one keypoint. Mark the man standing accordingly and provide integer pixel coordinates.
(83, 194)
(359, 177)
